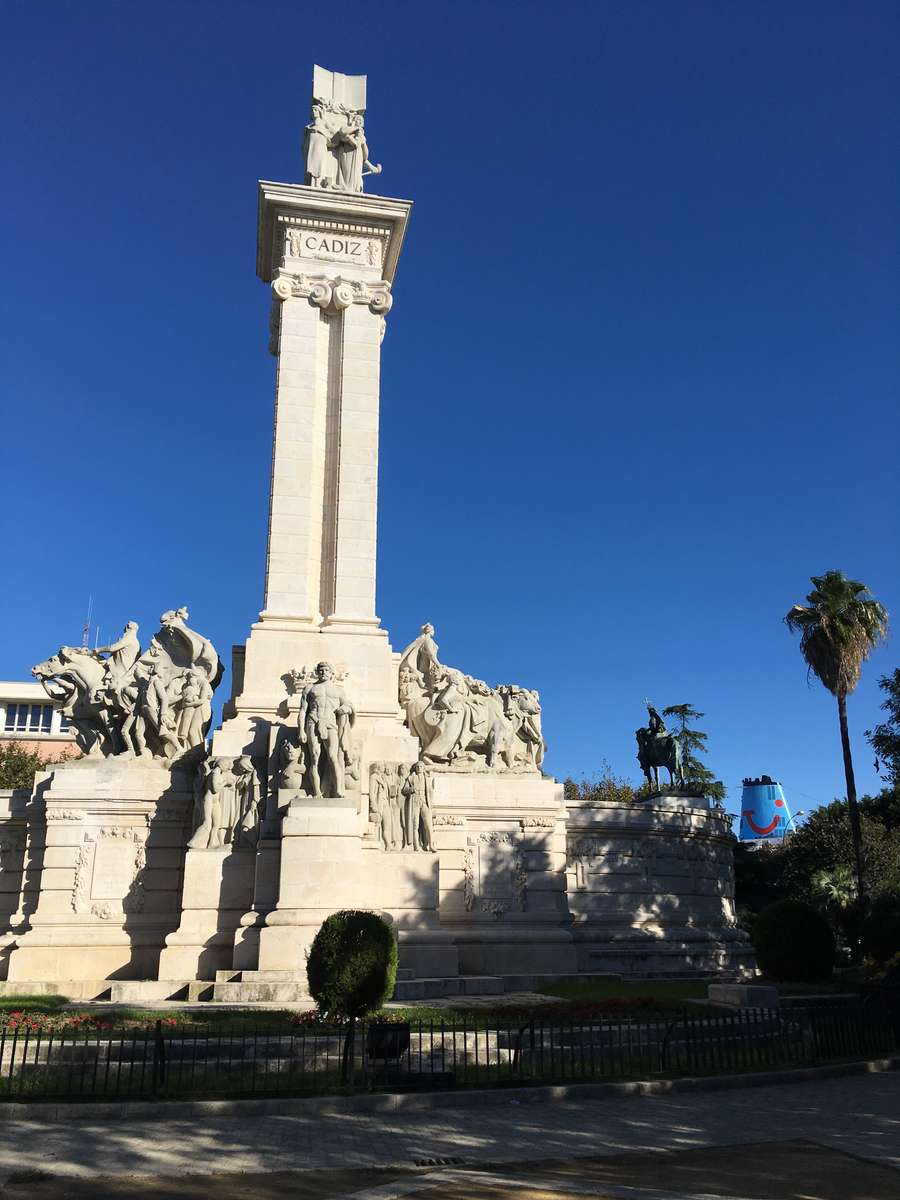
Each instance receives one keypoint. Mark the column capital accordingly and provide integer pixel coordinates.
(334, 293)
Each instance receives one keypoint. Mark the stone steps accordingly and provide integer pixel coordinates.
(287, 991)
(286, 987)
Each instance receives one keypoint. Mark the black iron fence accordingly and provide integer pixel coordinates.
(166, 1061)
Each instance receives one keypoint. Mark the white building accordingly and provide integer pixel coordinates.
(29, 716)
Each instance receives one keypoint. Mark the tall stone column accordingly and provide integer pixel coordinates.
(330, 259)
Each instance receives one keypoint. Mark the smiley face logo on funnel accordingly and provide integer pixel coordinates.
(764, 812)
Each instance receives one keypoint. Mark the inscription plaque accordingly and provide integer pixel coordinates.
(326, 246)
(113, 868)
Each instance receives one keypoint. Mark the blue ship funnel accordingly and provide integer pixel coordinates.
(765, 816)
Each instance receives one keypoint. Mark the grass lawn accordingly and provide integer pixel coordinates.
(667, 991)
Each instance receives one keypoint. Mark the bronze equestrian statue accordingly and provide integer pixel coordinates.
(658, 748)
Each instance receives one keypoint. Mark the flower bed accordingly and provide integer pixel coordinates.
(23, 1021)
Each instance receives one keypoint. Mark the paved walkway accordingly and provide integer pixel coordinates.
(858, 1116)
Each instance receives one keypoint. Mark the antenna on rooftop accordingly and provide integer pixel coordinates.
(86, 628)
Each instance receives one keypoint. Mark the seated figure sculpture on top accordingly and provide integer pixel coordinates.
(121, 702)
(461, 722)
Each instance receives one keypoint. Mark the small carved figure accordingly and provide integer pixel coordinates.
(195, 703)
(380, 804)
(123, 653)
(352, 155)
(248, 793)
(523, 709)
(395, 778)
(154, 711)
(325, 721)
(212, 779)
(316, 150)
(421, 655)
(291, 766)
(417, 790)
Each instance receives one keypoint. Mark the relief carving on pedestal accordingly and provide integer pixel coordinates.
(123, 876)
(227, 803)
(494, 876)
(400, 806)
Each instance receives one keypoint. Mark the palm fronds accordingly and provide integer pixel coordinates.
(839, 626)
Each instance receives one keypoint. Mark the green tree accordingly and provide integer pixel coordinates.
(351, 970)
(693, 744)
(839, 626)
(885, 738)
(603, 786)
(816, 864)
(18, 766)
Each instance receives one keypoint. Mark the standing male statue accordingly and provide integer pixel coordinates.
(325, 720)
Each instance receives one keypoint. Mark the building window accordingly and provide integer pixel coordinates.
(28, 718)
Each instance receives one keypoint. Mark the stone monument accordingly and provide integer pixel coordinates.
(344, 774)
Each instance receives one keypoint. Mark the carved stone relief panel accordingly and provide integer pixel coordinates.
(494, 875)
(109, 870)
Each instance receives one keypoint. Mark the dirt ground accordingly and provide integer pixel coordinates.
(791, 1170)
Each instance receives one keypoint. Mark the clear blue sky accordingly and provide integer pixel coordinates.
(640, 379)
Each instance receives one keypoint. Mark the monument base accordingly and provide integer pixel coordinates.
(105, 848)
(651, 888)
(217, 891)
(327, 864)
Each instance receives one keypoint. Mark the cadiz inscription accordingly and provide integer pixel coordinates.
(336, 247)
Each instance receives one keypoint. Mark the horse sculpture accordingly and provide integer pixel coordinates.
(74, 676)
(657, 750)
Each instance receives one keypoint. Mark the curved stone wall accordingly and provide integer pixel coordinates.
(651, 888)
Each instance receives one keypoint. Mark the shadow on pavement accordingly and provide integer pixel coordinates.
(795, 1170)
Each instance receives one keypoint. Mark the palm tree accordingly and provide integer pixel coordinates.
(839, 626)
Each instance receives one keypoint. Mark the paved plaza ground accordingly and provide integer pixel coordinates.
(830, 1140)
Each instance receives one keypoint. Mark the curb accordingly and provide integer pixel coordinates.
(390, 1102)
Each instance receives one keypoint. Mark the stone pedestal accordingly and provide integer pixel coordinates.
(501, 838)
(104, 864)
(218, 890)
(326, 866)
(321, 851)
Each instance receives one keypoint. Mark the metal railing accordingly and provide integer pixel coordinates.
(166, 1061)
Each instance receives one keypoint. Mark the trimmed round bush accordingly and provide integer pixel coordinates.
(352, 964)
(881, 928)
(793, 942)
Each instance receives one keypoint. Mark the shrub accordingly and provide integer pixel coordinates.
(352, 965)
(19, 766)
(793, 941)
(881, 928)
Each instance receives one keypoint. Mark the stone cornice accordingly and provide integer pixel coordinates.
(295, 202)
